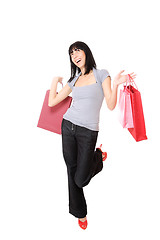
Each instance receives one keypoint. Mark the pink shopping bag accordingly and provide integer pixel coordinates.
(51, 117)
(125, 109)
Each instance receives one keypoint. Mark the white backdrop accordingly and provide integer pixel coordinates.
(123, 201)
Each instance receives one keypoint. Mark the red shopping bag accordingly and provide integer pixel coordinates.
(51, 117)
(139, 129)
(125, 109)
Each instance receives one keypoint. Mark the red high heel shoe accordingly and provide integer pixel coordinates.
(104, 154)
(83, 225)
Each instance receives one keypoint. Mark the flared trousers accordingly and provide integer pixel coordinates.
(83, 162)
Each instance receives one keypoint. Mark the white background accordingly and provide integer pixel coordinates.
(123, 201)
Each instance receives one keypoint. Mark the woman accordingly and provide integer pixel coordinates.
(80, 125)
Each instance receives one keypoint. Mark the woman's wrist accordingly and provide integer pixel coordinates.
(54, 83)
(115, 84)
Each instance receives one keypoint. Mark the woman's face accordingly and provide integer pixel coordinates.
(78, 57)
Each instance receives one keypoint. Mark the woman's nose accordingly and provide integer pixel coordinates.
(75, 54)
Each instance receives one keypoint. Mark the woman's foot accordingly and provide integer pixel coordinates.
(83, 223)
(104, 154)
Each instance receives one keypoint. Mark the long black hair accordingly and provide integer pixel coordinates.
(90, 62)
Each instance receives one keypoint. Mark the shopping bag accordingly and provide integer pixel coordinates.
(125, 109)
(139, 130)
(51, 117)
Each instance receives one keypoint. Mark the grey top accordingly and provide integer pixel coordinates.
(87, 101)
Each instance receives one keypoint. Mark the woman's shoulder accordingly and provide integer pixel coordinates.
(102, 74)
(72, 82)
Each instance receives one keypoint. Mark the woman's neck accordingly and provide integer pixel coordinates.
(83, 71)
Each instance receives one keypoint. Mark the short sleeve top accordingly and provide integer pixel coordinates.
(87, 101)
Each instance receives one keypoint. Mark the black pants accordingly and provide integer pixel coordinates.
(82, 161)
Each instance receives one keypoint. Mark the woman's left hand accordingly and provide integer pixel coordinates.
(119, 78)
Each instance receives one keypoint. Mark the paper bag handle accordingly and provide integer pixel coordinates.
(131, 81)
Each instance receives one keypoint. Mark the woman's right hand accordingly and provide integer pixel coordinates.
(57, 79)
(54, 97)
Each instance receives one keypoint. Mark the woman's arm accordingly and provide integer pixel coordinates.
(55, 98)
(111, 94)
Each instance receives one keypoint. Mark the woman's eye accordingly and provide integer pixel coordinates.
(76, 50)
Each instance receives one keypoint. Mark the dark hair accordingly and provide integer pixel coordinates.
(90, 62)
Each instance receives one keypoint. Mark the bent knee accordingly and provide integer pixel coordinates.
(81, 182)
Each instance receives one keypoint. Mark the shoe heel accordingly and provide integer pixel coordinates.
(105, 156)
(104, 153)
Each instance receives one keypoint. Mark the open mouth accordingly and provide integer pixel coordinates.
(78, 60)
